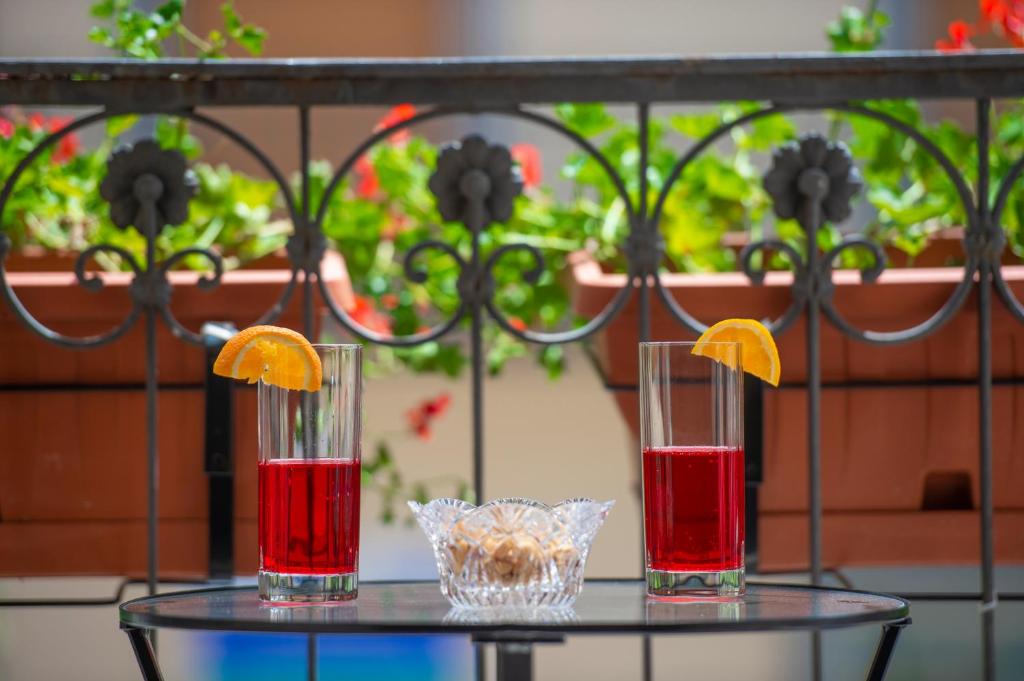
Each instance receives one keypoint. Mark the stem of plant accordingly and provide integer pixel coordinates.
(191, 37)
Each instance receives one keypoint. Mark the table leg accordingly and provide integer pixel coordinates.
(312, 664)
(144, 654)
(880, 665)
(515, 662)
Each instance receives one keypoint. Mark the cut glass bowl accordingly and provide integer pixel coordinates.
(511, 552)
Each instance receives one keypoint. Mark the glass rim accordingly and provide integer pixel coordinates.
(347, 347)
(655, 344)
(337, 346)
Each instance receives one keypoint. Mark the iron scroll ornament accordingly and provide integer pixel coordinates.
(812, 180)
(482, 281)
(147, 188)
(149, 285)
(803, 275)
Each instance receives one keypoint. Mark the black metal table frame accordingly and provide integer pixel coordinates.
(514, 642)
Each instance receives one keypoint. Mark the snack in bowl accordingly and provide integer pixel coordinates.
(511, 552)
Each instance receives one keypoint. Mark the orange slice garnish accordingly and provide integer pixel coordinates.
(273, 354)
(760, 356)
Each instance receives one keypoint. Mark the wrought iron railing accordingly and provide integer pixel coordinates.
(147, 189)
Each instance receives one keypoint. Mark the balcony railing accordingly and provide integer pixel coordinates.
(506, 87)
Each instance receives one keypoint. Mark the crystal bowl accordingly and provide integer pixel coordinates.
(511, 552)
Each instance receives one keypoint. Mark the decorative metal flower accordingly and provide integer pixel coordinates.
(475, 183)
(146, 174)
(812, 171)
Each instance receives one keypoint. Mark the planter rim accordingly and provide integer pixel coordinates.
(587, 271)
(331, 267)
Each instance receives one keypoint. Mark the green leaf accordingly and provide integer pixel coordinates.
(768, 132)
(170, 11)
(420, 494)
(249, 36)
(465, 492)
(232, 22)
(855, 32)
(103, 9)
(384, 457)
(172, 133)
(552, 357)
(119, 125)
(586, 119)
(696, 126)
(103, 36)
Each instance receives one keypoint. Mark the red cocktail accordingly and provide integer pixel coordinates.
(693, 498)
(309, 478)
(691, 440)
(309, 516)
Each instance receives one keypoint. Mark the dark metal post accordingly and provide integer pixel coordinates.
(643, 223)
(985, 227)
(312, 666)
(813, 338)
(476, 360)
(753, 448)
(219, 454)
(153, 459)
(515, 662)
(644, 331)
(307, 227)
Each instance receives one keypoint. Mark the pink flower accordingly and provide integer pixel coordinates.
(528, 158)
(6, 128)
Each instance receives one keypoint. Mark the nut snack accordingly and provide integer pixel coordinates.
(511, 552)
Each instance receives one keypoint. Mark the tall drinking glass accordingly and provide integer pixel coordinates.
(691, 437)
(309, 483)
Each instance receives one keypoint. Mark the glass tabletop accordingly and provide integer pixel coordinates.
(605, 606)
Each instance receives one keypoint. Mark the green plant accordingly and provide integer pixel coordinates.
(144, 35)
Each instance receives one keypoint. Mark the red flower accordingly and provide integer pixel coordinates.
(368, 184)
(1013, 25)
(6, 128)
(528, 158)
(36, 122)
(396, 115)
(366, 315)
(959, 38)
(517, 323)
(389, 300)
(1004, 16)
(422, 415)
(67, 146)
(993, 11)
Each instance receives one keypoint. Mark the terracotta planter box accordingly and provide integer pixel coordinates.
(899, 464)
(73, 465)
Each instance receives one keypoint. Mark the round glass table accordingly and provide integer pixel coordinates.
(604, 607)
